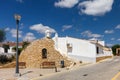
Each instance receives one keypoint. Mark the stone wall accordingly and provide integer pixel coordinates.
(32, 55)
(102, 58)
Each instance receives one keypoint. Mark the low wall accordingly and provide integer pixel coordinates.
(83, 59)
(102, 58)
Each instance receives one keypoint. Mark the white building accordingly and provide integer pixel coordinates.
(82, 50)
(10, 50)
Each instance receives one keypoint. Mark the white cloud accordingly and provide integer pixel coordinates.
(29, 37)
(117, 27)
(89, 34)
(96, 7)
(7, 29)
(96, 35)
(41, 28)
(66, 27)
(109, 45)
(21, 26)
(20, 1)
(14, 33)
(112, 38)
(109, 31)
(119, 39)
(66, 3)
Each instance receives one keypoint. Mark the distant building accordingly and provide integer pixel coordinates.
(11, 45)
(82, 50)
(118, 51)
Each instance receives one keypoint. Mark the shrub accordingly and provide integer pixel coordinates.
(19, 50)
(114, 47)
(6, 58)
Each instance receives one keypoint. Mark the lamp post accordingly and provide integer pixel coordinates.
(17, 18)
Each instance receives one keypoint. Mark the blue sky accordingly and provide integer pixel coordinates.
(85, 19)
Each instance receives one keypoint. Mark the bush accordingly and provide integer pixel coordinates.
(6, 58)
(3, 59)
(114, 47)
(25, 44)
(19, 50)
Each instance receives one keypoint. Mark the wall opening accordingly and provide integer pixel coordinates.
(97, 50)
(44, 53)
(69, 47)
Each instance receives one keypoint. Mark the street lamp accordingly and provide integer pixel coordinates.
(17, 18)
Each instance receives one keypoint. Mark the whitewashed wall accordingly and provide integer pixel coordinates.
(104, 53)
(82, 47)
(82, 50)
(62, 47)
(1, 50)
(102, 43)
(9, 50)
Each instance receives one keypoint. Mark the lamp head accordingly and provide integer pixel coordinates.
(17, 17)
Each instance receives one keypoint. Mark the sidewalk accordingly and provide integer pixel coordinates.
(32, 73)
(26, 74)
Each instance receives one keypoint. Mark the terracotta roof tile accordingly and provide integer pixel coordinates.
(11, 44)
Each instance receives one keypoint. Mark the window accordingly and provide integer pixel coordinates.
(69, 47)
(97, 49)
(44, 53)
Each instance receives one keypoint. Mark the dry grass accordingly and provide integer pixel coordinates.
(8, 65)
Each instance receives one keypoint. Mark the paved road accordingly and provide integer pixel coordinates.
(105, 70)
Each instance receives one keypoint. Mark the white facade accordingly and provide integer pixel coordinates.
(10, 50)
(82, 50)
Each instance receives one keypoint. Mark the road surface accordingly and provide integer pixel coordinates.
(104, 70)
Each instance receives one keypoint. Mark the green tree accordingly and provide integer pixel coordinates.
(19, 49)
(25, 44)
(2, 35)
(114, 47)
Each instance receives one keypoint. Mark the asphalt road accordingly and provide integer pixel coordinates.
(104, 70)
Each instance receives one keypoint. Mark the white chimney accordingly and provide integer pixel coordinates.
(47, 34)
